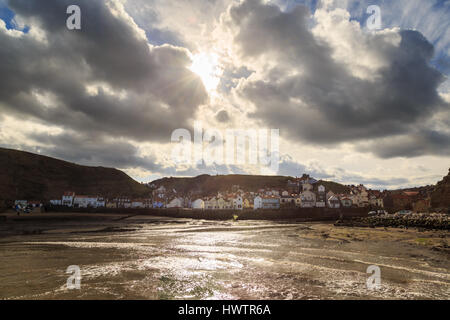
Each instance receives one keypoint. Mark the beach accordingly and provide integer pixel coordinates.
(127, 256)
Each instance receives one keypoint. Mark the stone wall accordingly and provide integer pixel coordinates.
(310, 214)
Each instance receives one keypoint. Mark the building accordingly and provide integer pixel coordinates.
(346, 202)
(307, 187)
(402, 201)
(101, 203)
(224, 203)
(82, 201)
(211, 203)
(157, 204)
(257, 203)
(122, 202)
(333, 202)
(111, 204)
(376, 202)
(137, 204)
(198, 204)
(293, 186)
(287, 202)
(22, 203)
(247, 203)
(238, 203)
(422, 205)
(308, 199)
(160, 192)
(176, 203)
(270, 203)
(68, 198)
(321, 199)
(360, 196)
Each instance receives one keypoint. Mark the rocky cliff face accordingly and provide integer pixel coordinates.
(440, 198)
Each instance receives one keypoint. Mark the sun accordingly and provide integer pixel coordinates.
(206, 66)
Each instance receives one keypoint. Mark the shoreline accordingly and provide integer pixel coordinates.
(417, 221)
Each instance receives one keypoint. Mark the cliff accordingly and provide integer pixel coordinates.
(25, 175)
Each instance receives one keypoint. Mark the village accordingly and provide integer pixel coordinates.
(301, 192)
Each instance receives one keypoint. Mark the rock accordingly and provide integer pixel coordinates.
(440, 197)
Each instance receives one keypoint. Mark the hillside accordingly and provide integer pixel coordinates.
(25, 175)
(440, 198)
(207, 185)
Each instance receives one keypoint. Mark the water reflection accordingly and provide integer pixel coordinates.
(173, 259)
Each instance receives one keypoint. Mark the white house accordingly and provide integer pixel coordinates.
(137, 204)
(127, 204)
(238, 203)
(308, 199)
(79, 202)
(198, 204)
(175, 203)
(82, 201)
(257, 203)
(333, 202)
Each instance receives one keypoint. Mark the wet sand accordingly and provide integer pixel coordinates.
(144, 257)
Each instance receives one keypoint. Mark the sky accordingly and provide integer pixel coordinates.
(352, 104)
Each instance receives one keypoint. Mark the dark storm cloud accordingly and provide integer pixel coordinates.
(158, 92)
(426, 142)
(93, 150)
(322, 102)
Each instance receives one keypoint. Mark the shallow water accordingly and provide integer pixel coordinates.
(156, 258)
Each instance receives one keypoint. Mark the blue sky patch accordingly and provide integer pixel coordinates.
(7, 15)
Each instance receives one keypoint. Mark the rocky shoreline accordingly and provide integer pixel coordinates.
(433, 221)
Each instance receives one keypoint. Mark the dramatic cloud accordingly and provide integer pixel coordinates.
(412, 145)
(104, 79)
(348, 101)
(304, 90)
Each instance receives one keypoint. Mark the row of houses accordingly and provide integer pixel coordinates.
(304, 192)
(301, 193)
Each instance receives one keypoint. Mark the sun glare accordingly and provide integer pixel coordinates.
(206, 67)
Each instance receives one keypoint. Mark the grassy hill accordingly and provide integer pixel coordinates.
(25, 175)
